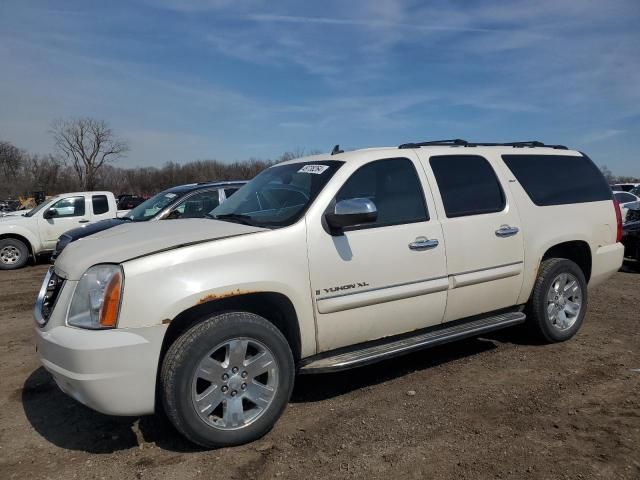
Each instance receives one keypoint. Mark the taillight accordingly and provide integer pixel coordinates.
(616, 206)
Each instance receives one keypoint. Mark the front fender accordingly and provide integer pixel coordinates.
(12, 230)
(157, 288)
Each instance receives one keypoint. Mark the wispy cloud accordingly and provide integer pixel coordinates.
(368, 23)
(255, 77)
(602, 135)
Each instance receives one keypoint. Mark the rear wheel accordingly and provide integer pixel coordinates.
(227, 380)
(558, 303)
(13, 254)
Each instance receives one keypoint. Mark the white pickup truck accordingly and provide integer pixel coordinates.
(321, 264)
(37, 231)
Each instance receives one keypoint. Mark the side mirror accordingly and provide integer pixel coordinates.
(352, 211)
(50, 213)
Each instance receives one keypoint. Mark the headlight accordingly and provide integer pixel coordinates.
(96, 300)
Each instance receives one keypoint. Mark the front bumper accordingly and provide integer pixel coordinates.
(111, 371)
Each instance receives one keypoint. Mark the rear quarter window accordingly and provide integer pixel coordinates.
(558, 179)
(100, 204)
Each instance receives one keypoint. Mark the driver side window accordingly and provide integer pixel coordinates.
(69, 207)
(196, 206)
(393, 186)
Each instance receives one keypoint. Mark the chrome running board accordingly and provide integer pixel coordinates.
(367, 353)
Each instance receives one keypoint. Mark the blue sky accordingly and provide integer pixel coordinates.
(232, 79)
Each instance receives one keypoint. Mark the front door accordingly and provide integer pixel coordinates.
(69, 212)
(481, 228)
(382, 278)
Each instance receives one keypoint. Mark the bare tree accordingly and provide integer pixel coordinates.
(606, 171)
(88, 144)
(11, 158)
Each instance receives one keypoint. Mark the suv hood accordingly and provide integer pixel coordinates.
(132, 240)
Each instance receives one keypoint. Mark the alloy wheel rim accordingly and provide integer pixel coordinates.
(234, 384)
(564, 301)
(10, 255)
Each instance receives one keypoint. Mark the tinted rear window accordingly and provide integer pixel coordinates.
(468, 185)
(558, 179)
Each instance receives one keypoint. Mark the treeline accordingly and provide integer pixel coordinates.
(24, 173)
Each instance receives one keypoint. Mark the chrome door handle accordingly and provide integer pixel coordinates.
(423, 243)
(507, 231)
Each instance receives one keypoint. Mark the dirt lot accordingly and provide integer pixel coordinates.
(497, 407)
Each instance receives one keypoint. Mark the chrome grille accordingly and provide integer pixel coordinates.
(49, 292)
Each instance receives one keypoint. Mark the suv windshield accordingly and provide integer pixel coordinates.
(278, 196)
(149, 208)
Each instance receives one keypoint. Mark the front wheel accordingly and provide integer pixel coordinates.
(227, 380)
(558, 303)
(13, 254)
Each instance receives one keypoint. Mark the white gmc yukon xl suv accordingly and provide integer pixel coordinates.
(321, 264)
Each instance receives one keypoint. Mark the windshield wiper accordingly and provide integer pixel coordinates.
(234, 217)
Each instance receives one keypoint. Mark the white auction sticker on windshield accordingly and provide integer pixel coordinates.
(316, 169)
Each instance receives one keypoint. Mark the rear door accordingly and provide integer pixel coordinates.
(481, 229)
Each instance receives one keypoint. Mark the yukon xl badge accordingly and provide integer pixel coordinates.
(348, 286)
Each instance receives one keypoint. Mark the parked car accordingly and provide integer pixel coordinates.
(631, 233)
(321, 264)
(625, 199)
(37, 231)
(194, 200)
(624, 187)
(635, 191)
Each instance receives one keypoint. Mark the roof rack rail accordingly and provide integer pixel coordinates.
(463, 143)
(432, 143)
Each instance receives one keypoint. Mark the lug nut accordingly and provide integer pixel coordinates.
(233, 393)
(234, 369)
(243, 386)
(244, 374)
(224, 388)
(225, 377)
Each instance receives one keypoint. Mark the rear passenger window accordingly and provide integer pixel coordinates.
(393, 186)
(100, 204)
(468, 185)
(558, 179)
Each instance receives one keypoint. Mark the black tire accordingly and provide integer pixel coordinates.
(14, 254)
(184, 356)
(538, 320)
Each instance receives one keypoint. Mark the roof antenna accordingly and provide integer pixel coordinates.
(336, 150)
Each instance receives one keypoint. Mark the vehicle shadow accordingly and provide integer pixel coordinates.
(317, 387)
(70, 425)
(630, 266)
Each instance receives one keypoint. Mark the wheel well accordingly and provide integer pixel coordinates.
(274, 307)
(577, 251)
(19, 237)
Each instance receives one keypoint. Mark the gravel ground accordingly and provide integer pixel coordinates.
(496, 407)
